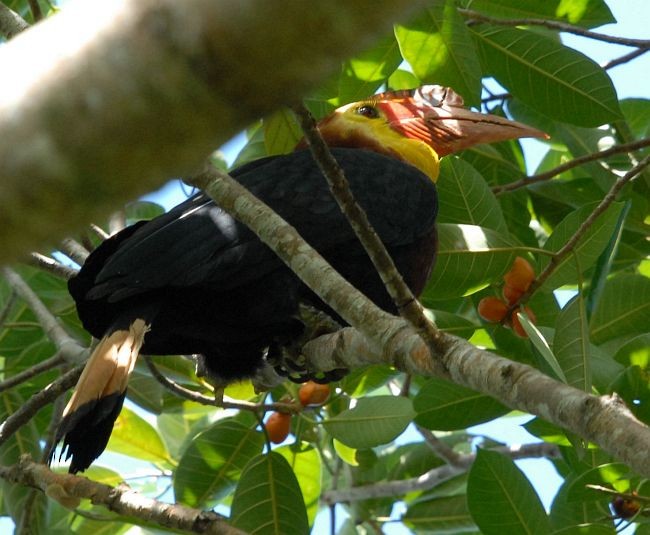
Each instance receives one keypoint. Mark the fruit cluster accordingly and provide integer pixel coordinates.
(311, 394)
(517, 281)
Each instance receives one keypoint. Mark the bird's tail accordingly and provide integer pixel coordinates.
(97, 399)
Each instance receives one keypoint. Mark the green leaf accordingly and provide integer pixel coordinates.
(636, 352)
(608, 475)
(213, 462)
(558, 81)
(624, 308)
(363, 74)
(135, 437)
(362, 381)
(447, 514)
(139, 210)
(446, 406)
(586, 517)
(440, 50)
(372, 422)
(452, 323)
(587, 250)
(637, 114)
(571, 344)
(588, 13)
(402, 79)
(268, 499)
(542, 346)
(501, 499)
(467, 197)
(306, 464)
(281, 132)
(547, 431)
(469, 258)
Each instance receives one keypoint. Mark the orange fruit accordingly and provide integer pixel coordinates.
(520, 276)
(516, 324)
(492, 309)
(312, 393)
(278, 426)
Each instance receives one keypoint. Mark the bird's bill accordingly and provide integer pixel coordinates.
(436, 115)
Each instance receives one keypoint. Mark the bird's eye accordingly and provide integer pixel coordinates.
(368, 111)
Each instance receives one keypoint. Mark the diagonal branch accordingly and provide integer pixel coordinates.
(406, 302)
(555, 25)
(382, 338)
(69, 490)
(570, 245)
(11, 23)
(547, 175)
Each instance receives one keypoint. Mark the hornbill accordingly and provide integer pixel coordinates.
(196, 281)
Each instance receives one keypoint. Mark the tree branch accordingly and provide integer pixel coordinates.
(138, 77)
(568, 247)
(555, 25)
(547, 175)
(11, 23)
(27, 411)
(69, 348)
(34, 370)
(51, 266)
(406, 303)
(69, 489)
(435, 476)
(624, 58)
(191, 395)
(382, 338)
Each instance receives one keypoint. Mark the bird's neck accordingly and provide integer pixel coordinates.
(384, 140)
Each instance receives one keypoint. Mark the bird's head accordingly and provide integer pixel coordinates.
(418, 126)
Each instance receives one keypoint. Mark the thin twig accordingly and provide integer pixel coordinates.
(32, 371)
(191, 395)
(625, 58)
(51, 266)
(69, 490)
(568, 247)
(406, 302)
(435, 476)
(27, 411)
(547, 175)
(8, 306)
(69, 347)
(441, 449)
(11, 23)
(99, 232)
(556, 25)
(492, 98)
(36, 10)
(74, 250)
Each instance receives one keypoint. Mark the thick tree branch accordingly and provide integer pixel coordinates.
(11, 23)
(152, 87)
(69, 489)
(556, 25)
(385, 339)
(547, 175)
(407, 304)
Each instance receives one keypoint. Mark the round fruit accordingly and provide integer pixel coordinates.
(625, 507)
(312, 393)
(521, 274)
(511, 294)
(492, 309)
(278, 426)
(516, 324)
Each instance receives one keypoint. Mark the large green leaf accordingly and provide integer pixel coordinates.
(305, 462)
(587, 250)
(588, 13)
(373, 421)
(469, 258)
(440, 50)
(213, 462)
(558, 81)
(363, 74)
(447, 514)
(446, 406)
(268, 499)
(624, 308)
(466, 197)
(571, 344)
(135, 437)
(587, 517)
(501, 499)
(281, 132)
